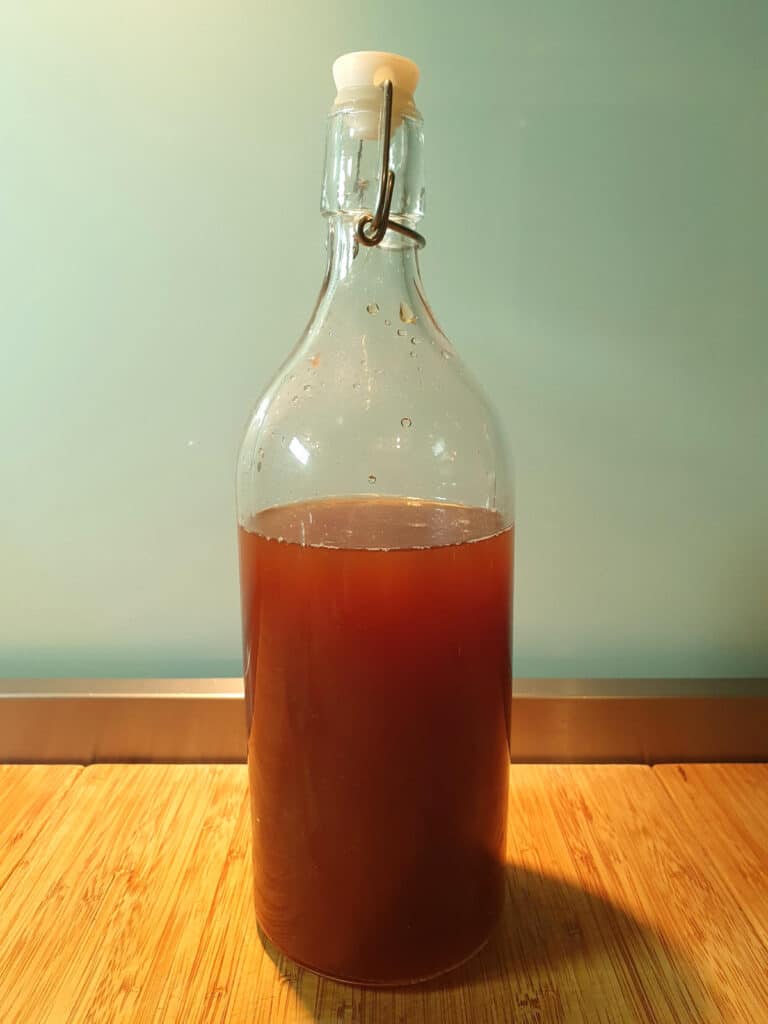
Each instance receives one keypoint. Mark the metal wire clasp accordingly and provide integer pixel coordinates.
(371, 227)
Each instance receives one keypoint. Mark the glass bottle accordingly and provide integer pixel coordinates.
(376, 553)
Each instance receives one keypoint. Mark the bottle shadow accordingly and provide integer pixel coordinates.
(560, 952)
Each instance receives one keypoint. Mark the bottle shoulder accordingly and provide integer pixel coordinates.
(389, 410)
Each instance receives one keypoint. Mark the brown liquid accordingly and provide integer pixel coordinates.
(378, 683)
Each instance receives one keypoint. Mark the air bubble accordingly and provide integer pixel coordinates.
(307, 387)
(446, 354)
(402, 332)
(414, 341)
(387, 323)
(406, 421)
(371, 478)
(294, 400)
(373, 308)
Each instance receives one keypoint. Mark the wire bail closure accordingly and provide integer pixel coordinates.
(371, 227)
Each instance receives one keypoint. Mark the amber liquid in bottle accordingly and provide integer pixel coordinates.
(377, 675)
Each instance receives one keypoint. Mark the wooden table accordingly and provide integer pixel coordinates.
(635, 894)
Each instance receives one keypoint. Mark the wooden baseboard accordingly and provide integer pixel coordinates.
(203, 720)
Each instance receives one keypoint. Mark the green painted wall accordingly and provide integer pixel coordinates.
(597, 249)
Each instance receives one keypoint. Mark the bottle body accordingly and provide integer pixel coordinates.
(378, 681)
(376, 562)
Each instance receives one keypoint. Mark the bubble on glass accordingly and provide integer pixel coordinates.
(307, 387)
(412, 355)
(414, 340)
(356, 385)
(446, 354)
(406, 314)
(406, 422)
(373, 308)
(294, 400)
(402, 332)
(371, 478)
(387, 323)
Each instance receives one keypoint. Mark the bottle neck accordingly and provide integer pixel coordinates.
(375, 280)
(350, 186)
(353, 157)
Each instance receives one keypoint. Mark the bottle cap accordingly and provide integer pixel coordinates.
(372, 67)
(358, 77)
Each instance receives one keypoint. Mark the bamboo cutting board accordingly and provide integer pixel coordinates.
(125, 897)
(726, 807)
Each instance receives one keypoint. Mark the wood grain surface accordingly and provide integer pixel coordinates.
(28, 794)
(634, 894)
(726, 808)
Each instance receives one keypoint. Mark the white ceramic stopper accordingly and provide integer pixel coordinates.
(357, 77)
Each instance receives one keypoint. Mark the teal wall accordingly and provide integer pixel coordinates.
(598, 231)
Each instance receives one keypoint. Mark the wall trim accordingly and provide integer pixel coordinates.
(86, 721)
